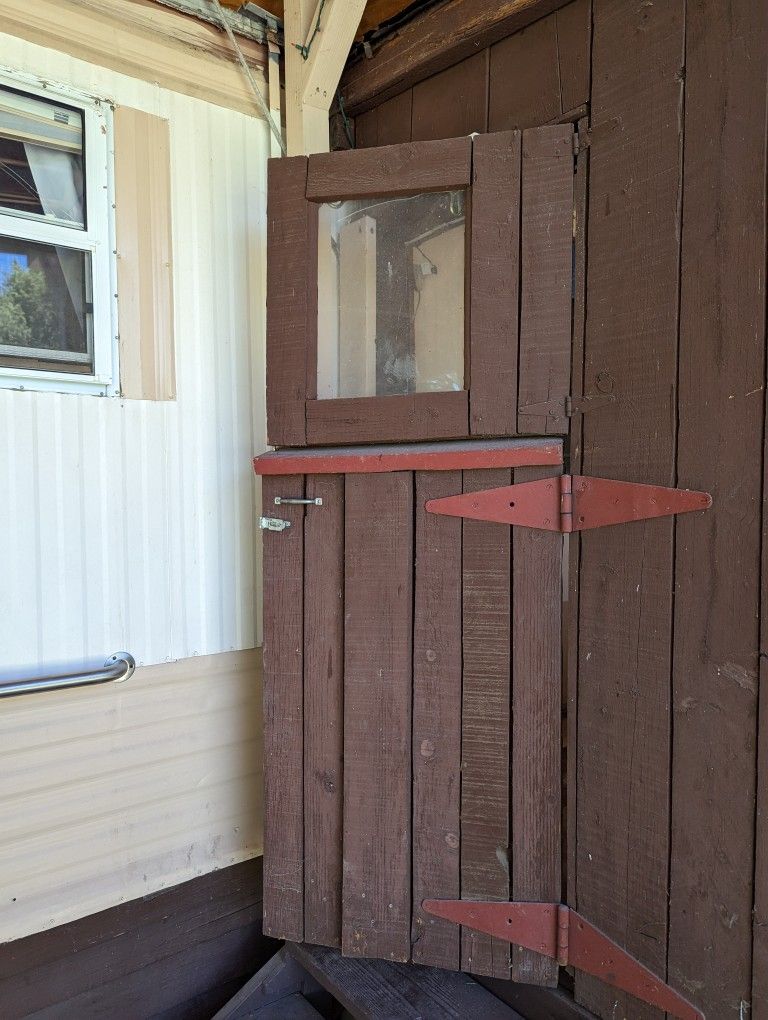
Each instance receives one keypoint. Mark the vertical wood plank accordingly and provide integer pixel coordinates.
(536, 850)
(436, 720)
(284, 713)
(573, 42)
(467, 85)
(386, 124)
(485, 724)
(495, 255)
(524, 79)
(323, 709)
(717, 562)
(377, 715)
(290, 325)
(546, 265)
(625, 608)
(573, 541)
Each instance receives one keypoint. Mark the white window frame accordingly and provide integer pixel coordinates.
(98, 239)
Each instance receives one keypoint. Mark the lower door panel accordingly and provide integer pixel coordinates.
(412, 717)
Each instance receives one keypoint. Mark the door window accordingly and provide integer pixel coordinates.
(391, 295)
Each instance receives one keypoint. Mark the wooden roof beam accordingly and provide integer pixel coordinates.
(312, 74)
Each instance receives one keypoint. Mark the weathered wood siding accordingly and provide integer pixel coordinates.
(662, 620)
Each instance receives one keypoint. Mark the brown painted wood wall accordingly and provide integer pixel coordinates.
(664, 645)
(180, 954)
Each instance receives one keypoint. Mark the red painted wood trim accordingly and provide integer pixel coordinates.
(459, 456)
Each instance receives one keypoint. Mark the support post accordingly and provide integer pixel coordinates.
(312, 75)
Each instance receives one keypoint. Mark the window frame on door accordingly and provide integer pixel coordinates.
(517, 351)
(96, 239)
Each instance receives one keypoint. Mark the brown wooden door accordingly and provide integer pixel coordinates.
(412, 696)
(418, 292)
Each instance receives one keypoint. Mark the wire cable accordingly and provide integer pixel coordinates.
(261, 101)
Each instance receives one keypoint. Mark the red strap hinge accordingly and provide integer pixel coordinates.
(570, 503)
(556, 931)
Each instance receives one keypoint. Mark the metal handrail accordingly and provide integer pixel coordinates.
(118, 668)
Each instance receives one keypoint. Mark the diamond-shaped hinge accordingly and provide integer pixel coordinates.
(556, 931)
(570, 503)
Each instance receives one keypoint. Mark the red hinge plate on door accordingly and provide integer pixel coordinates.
(569, 503)
(561, 934)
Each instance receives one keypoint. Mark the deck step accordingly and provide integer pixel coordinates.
(275, 990)
(372, 989)
(292, 1007)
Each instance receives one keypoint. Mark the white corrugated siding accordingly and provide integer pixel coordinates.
(130, 525)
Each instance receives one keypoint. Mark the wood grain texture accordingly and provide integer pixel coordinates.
(625, 605)
(401, 419)
(323, 709)
(574, 28)
(373, 989)
(387, 124)
(457, 456)
(390, 170)
(184, 949)
(546, 266)
(377, 716)
(284, 713)
(524, 81)
(494, 295)
(436, 720)
(717, 562)
(485, 724)
(143, 235)
(536, 849)
(467, 84)
(289, 304)
(573, 541)
(440, 38)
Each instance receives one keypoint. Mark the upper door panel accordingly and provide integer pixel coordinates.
(421, 291)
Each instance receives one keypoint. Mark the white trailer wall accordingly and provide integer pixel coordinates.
(130, 525)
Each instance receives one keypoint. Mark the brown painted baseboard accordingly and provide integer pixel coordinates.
(179, 954)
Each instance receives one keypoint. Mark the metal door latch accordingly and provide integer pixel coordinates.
(273, 524)
(292, 501)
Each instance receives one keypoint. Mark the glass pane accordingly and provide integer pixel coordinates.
(45, 302)
(41, 158)
(391, 296)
